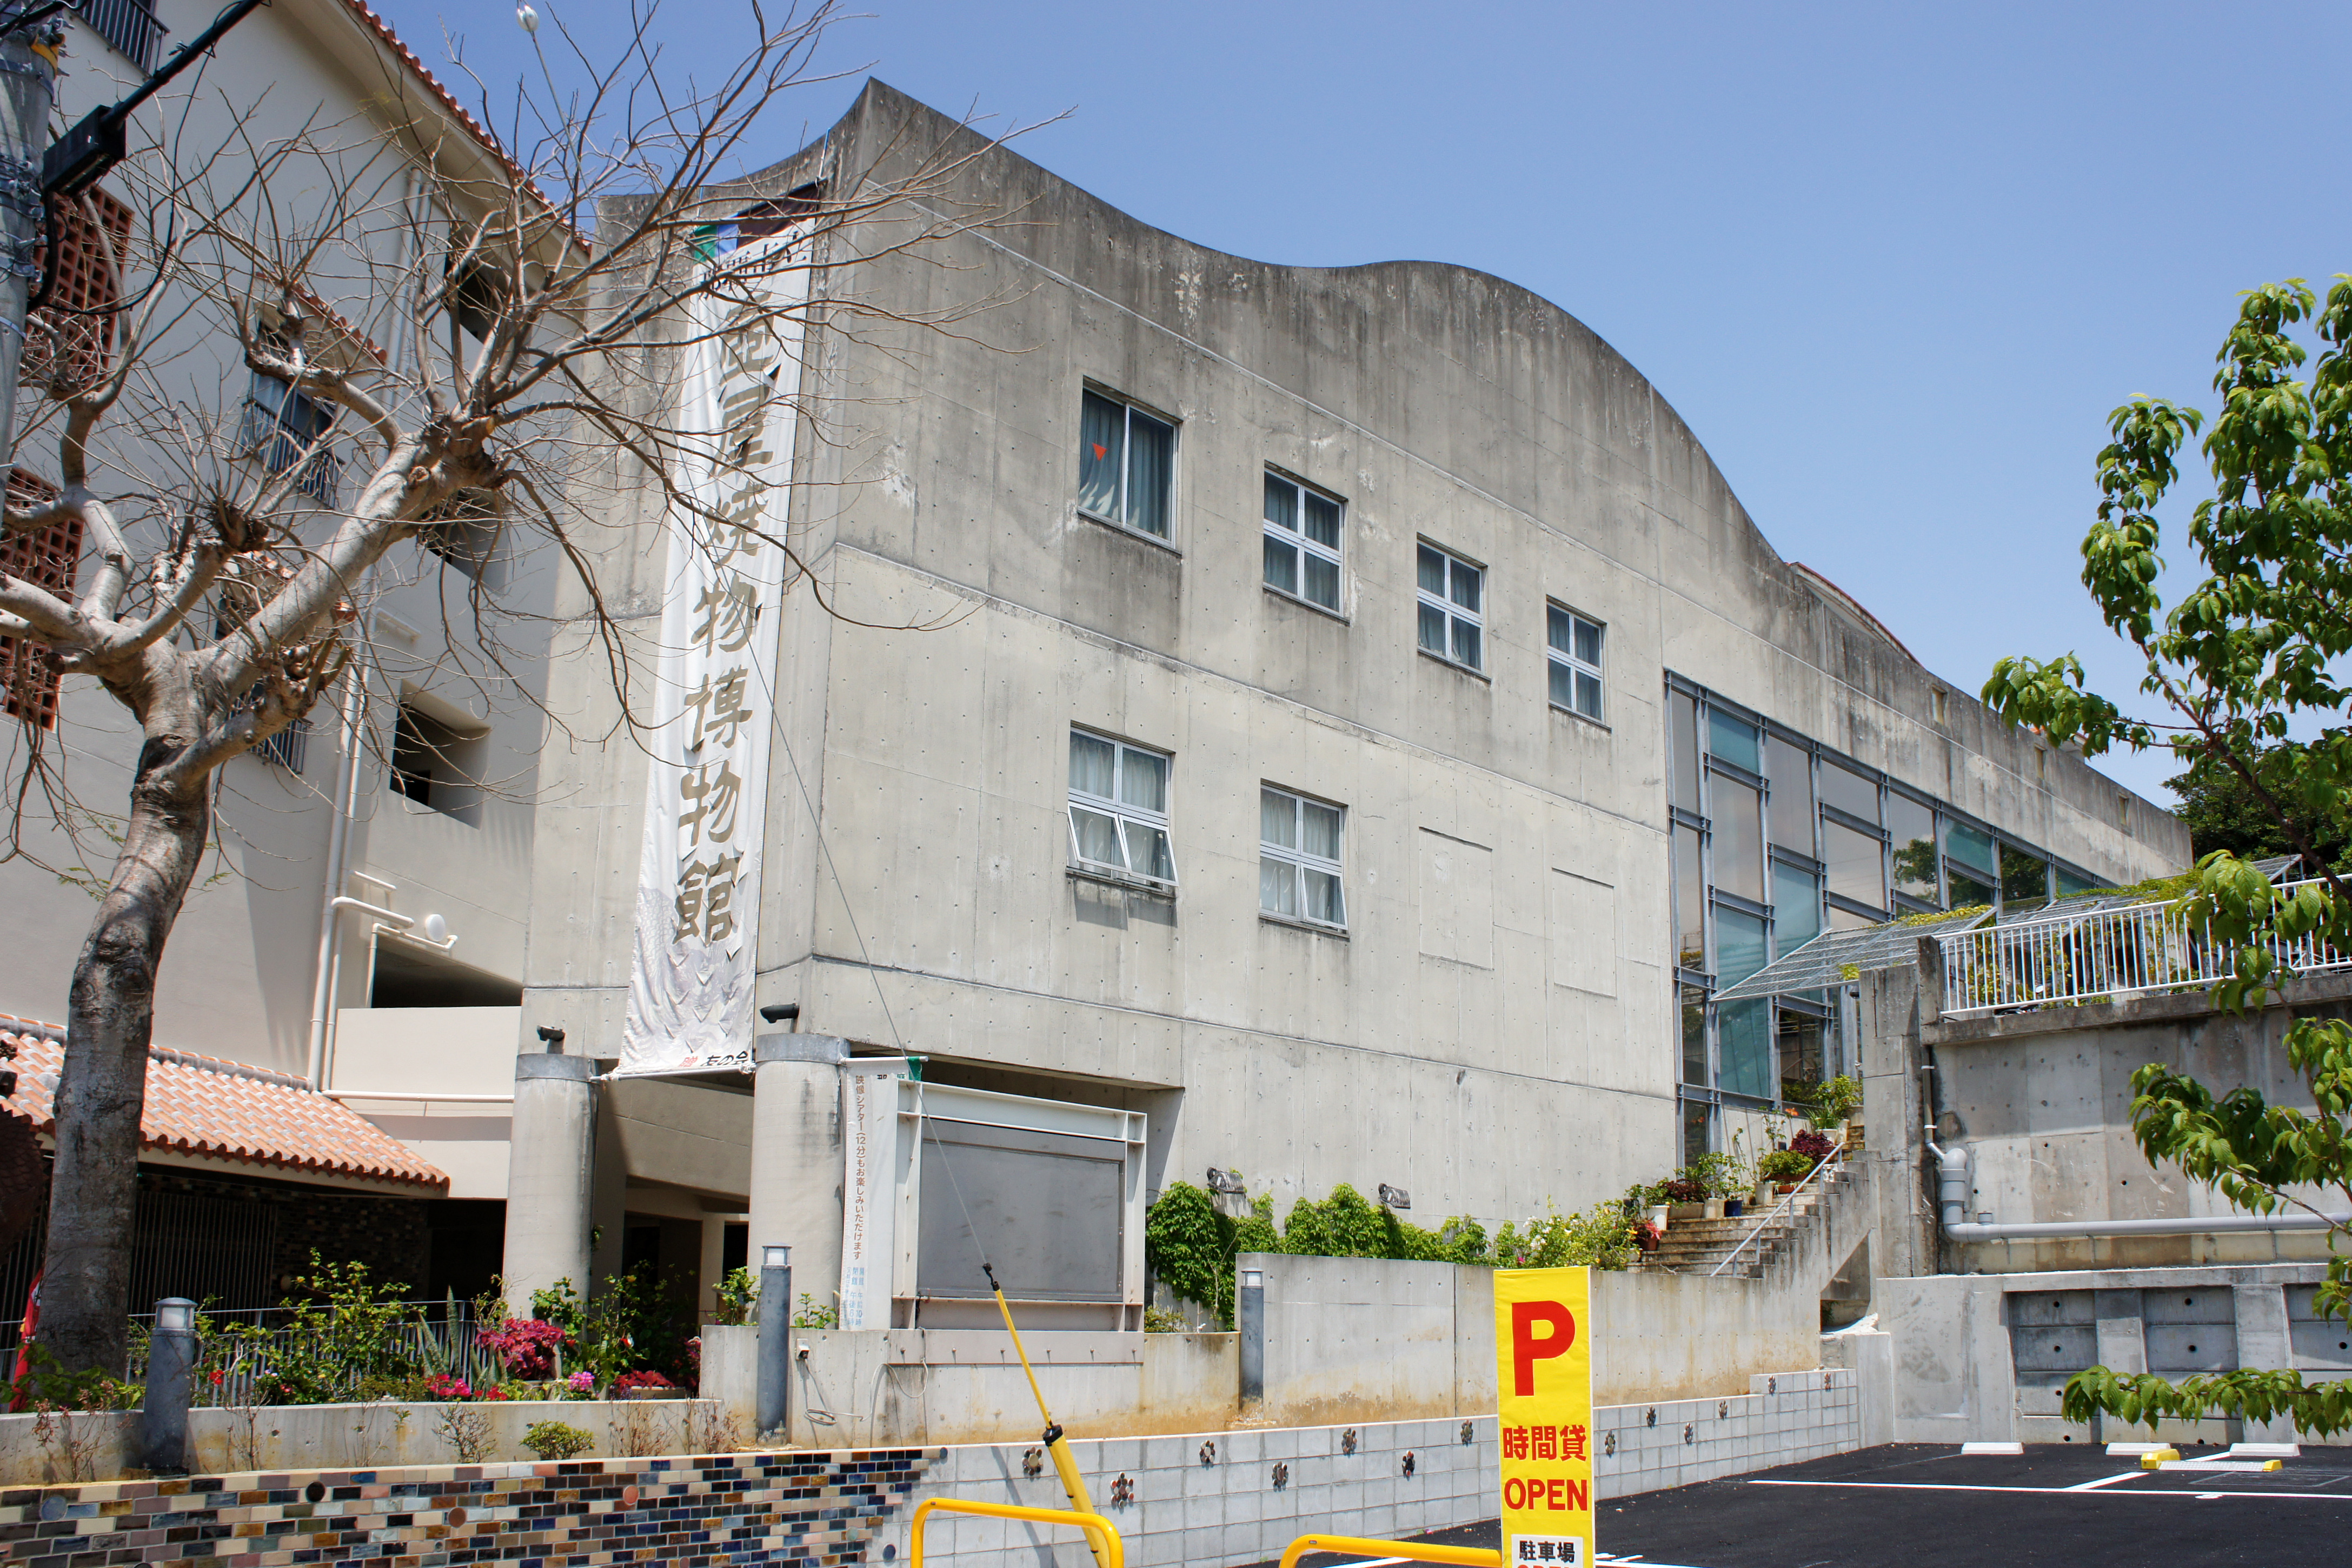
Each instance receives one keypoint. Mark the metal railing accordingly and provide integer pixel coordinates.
(1392, 1551)
(129, 25)
(2069, 959)
(1102, 1535)
(1834, 1157)
(429, 1339)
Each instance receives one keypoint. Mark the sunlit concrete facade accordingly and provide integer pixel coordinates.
(1491, 1023)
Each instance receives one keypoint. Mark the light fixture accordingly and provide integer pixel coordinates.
(434, 928)
(1395, 1197)
(528, 17)
(775, 1257)
(1253, 1279)
(1224, 1181)
(175, 1315)
(554, 1038)
(782, 1012)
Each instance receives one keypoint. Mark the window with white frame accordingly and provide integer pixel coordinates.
(1575, 662)
(1118, 808)
(1450, 592)
(1298, 858)
(1127, 465)
(1302, 542)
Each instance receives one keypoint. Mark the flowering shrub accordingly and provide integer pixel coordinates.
(1685, 1190)
(1815, 1146)
(645, 1379)
(526, 1346)
(581, 1381)
(442, 1386)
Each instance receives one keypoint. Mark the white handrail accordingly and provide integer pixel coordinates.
(2067, 958)
(1832, 1158)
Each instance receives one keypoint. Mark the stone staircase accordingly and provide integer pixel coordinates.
(1699, 1245)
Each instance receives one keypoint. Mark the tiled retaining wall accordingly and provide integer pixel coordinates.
(1205, 1498)
(735, 1509)
(1350, 1480)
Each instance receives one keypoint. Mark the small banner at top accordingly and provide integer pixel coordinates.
(1543, 1350)
(713, 704)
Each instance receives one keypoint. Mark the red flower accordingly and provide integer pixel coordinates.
(217, 1376)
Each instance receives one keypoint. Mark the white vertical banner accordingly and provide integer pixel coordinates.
(697, 941)
(869, 1145)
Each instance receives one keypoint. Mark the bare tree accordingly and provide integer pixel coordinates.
(537, 286)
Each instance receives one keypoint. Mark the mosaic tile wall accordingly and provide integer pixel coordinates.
(814, 1508)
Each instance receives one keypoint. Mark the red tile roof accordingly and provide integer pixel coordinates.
(209, 1107)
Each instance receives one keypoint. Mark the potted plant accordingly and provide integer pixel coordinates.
(1685, 1197)
(1784, 1168)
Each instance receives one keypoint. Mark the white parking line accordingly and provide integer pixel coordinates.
(2055, 1491)
(2104, 1482)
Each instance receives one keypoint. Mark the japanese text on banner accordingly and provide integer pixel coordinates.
(1543, 1349)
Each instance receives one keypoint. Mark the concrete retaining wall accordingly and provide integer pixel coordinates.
(330, 1436)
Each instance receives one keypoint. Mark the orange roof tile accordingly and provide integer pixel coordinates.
(208, 1106)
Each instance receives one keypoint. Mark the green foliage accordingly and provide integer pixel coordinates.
(1721, 1174)
(631, 1323)
(813, 1316)
(2255, 649)
(47, 1386)
(347, 1333)
(554, 1440)
(1600, 1237)
(735, 1297)
(1785, 1165)
(1191, 1244)
(1824, 1104)
(1160, 1321)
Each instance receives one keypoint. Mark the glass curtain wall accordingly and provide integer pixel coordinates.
(1775, 838)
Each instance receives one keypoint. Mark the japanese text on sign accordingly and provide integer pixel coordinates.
(1544, 1378)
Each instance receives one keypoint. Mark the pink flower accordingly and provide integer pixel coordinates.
(581, 1381)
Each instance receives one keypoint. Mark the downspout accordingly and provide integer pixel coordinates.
(339, 842)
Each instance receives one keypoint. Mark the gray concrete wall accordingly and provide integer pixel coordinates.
(1984, 1357)
(2042, 1101)
(1492, 1030)
(347, 1436)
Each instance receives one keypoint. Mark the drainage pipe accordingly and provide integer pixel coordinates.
(1952, 1192)
(339, 838)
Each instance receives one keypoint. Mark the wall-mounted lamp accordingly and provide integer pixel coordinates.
(1224, 1181)
(783, 1013)
(554, 1038)
(1395, 1197)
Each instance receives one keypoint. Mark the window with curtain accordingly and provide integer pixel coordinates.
(1298, 858)
(1302, 542)
(1575, 659)
(1118, 808)
(1127, 465)
(1451, 590)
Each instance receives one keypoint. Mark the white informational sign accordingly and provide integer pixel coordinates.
(713, 695)
(869, 1144)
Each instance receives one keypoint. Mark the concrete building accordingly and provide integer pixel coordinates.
(1339, 721)
(432, 765)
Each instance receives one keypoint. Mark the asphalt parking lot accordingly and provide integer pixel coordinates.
(1916, 1506)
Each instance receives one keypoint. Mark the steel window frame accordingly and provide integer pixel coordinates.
(1121, 812)
(1300, 861)
(1298, 538)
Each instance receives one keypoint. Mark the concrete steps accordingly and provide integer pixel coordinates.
(1700, 1245)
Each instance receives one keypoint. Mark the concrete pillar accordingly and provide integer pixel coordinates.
(711, 1270)
(2263, 1344)
(549, 1172)
(797, 1161)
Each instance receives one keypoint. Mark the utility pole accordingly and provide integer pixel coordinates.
(28, 75)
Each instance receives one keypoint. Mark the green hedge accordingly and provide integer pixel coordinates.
(1191, 1246)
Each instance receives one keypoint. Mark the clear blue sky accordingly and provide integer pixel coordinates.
(1894, 264)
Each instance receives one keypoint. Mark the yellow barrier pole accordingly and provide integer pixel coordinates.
(1073, 1484)
(1418, 1551)
(1102, 1535)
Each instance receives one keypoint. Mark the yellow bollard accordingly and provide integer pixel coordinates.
(1102, 1535)
(1417, 1551)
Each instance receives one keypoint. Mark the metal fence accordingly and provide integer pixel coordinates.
(2076, 958)
(129, 25)
(249, 1349)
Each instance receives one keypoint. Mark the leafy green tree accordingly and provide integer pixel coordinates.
(2221, 813)
(2252, 649)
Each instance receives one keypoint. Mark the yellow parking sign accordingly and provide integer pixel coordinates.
(1543, 1353)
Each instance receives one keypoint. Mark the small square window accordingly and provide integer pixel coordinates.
(1298, 858)
(1450, 592)
(1575, 655)
(1118, 808)
(1302, 542)
(1127, 465)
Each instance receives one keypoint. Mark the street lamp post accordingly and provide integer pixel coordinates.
(775, 1340)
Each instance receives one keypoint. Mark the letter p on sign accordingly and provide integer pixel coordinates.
(1529, 1347)
(1543, 1377)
